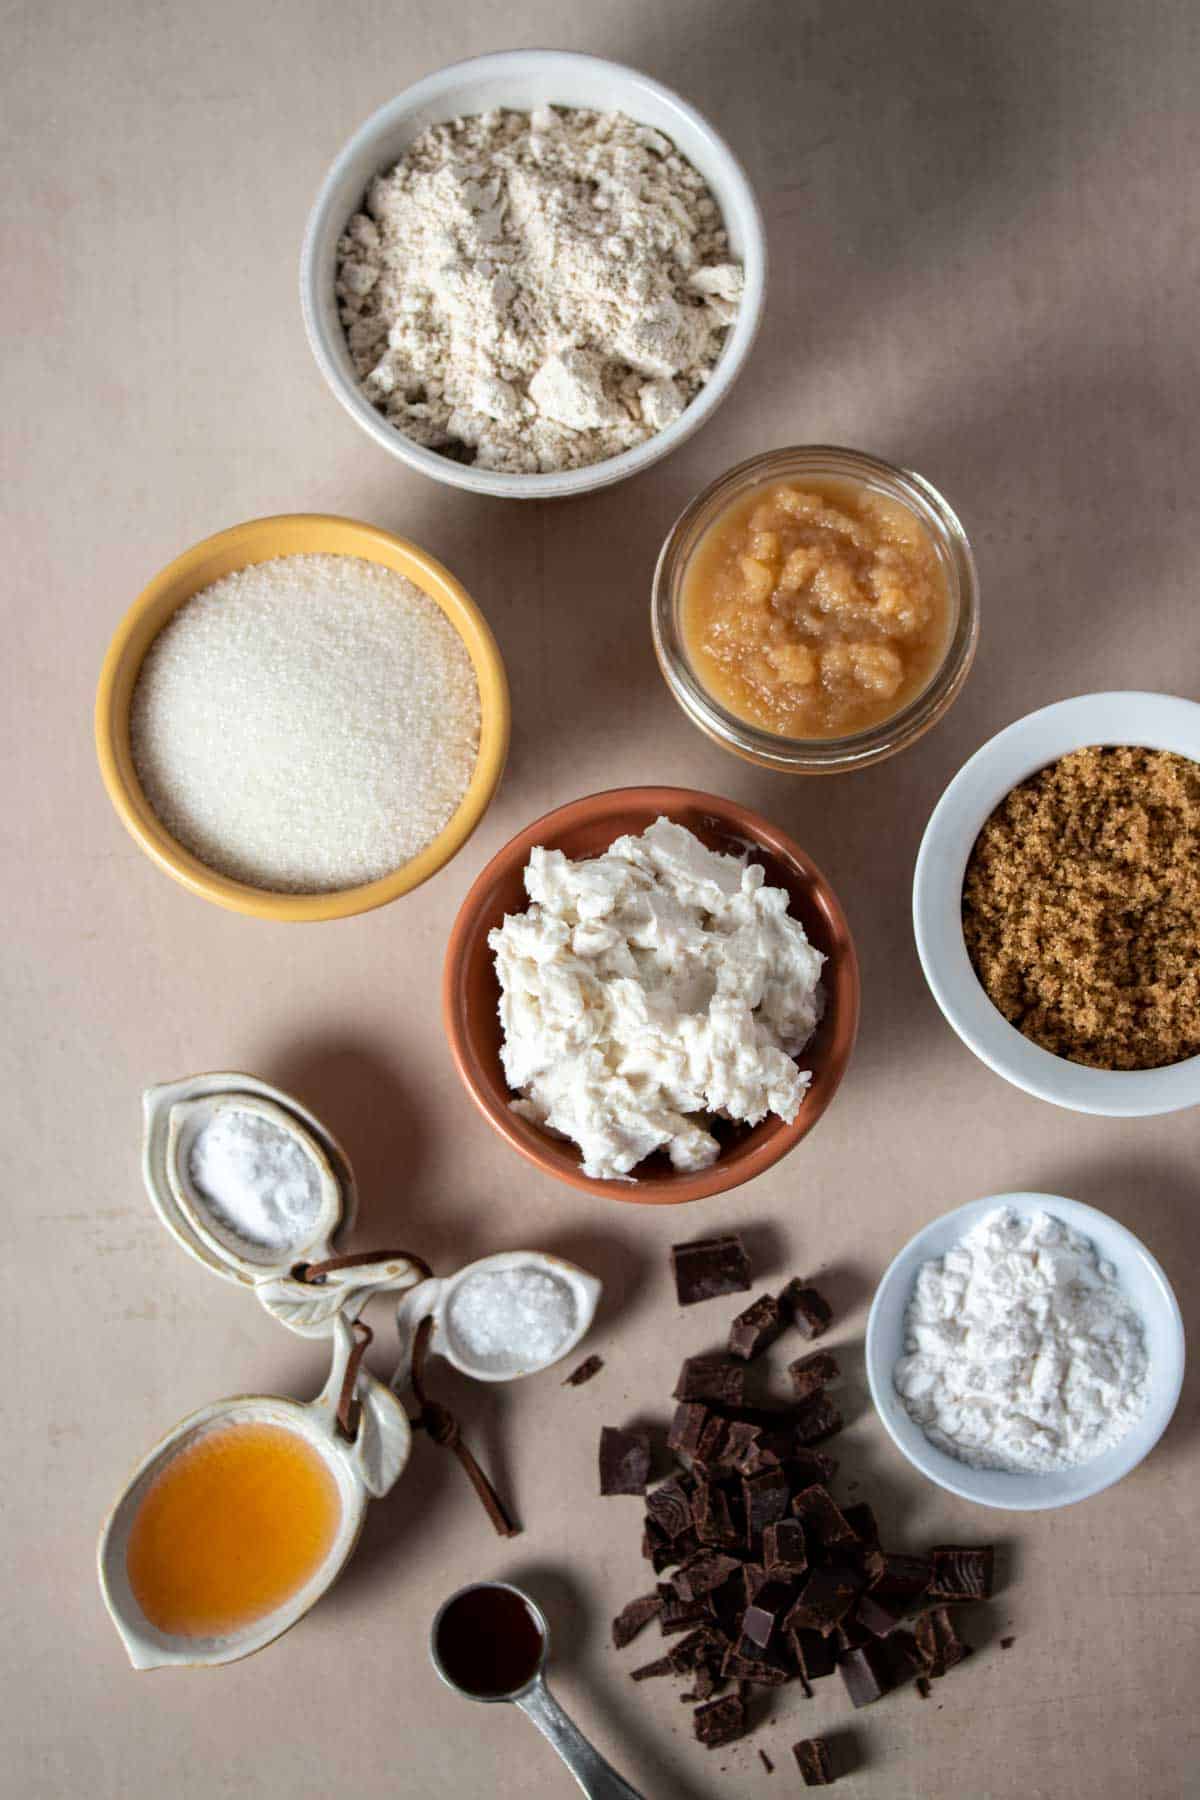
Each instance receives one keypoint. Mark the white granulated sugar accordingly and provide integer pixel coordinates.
(644, 990)
(503, 1317)
(306, 724)
(256, 1178)
(1022, 1352)
(536, 291)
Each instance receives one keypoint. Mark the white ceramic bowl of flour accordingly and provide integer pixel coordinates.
(521, 80)
(1143, 1284)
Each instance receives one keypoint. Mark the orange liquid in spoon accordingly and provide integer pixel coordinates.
(233, 1526)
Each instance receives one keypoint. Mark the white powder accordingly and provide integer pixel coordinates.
(306, 724)
(536, 291)
(1022, 1351)
(505, 1317)
(256, 1178)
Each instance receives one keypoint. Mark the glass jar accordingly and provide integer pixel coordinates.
(817, 756)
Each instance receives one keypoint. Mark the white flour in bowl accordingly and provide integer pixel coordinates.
(536, 291)
(1022, 1352)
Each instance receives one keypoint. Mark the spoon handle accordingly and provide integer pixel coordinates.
(598, 1779)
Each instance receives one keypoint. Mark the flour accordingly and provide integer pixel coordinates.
(536, 291)
(1022, 1351)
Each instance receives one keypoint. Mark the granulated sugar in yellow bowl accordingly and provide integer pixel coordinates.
(302, 717)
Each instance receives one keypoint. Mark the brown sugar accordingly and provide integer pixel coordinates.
(1081, 908)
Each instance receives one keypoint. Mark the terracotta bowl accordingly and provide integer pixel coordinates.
(471, 993)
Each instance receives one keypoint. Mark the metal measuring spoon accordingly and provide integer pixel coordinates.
(495, 1650)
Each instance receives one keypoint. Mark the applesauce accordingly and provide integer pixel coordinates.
(815, 607)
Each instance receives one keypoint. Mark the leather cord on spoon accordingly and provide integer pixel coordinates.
(444, 1429)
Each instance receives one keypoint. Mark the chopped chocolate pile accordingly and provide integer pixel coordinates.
(710, 1267)
(812, 1755)
(773, 1580)
(591, 1365)
(624, 1460)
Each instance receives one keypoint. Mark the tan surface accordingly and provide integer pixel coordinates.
(985, 265)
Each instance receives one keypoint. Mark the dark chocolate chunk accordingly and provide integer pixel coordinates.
(591, 1365)
(701, 1574)
(811, 1373)
(709, 1267)
(705, 1683)
(880, 1614)
(757, 1328)
(766, 1762)
(819, 1419)
(851, 1634)
(745, 1661)
(687, 1428)
(806, 1308)
(764, 1616)
(906, 1656)
(658, 1549)
(1006, 1643)
(727, 1604)
(720, 1722)
(710, 1451)
(815, 1655)
(704, 1645)
(867, 1673)
(823, 1519)
(661, 1666)
(862, 1522)
(924, 1687)
(632, 1618)
(740, 1439)
(962, 1574)
(714, 1521)
(754, 1576)
(902, 1577)
(825, 1599)
(765, 1496)
(784, 1547)
(670, 1506)
(676, 1613)
(711, 1378)
(812, 1757)
(938, 1643)
(804, 1467)
(624, 1460)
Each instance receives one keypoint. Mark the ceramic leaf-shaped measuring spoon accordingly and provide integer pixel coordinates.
(178, 1592)
(498, 1319)
(253, 1186)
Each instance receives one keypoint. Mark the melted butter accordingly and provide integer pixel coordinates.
(232, 1527)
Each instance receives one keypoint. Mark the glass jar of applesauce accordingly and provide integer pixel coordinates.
(816, 609)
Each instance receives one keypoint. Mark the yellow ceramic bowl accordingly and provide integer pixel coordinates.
(259, 540)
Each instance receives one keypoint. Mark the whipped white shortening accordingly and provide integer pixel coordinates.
(647, 987)
(1022, 1352)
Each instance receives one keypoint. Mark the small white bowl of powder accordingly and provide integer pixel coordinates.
(561, 283)
(1025, 1351)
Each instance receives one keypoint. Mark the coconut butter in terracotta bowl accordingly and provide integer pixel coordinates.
(587, 828)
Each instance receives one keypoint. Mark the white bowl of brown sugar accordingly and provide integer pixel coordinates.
(1056, 904)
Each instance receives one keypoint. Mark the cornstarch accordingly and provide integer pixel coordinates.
(1022, 1352)
(256, 1178)
(536, 291)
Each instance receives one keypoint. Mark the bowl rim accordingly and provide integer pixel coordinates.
(737, 197)
(1154, 721)
(262, 540)
(728, 1171)
(989, 1487)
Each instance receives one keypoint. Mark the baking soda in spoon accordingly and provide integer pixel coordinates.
(256, 1178)
(505, 1317)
